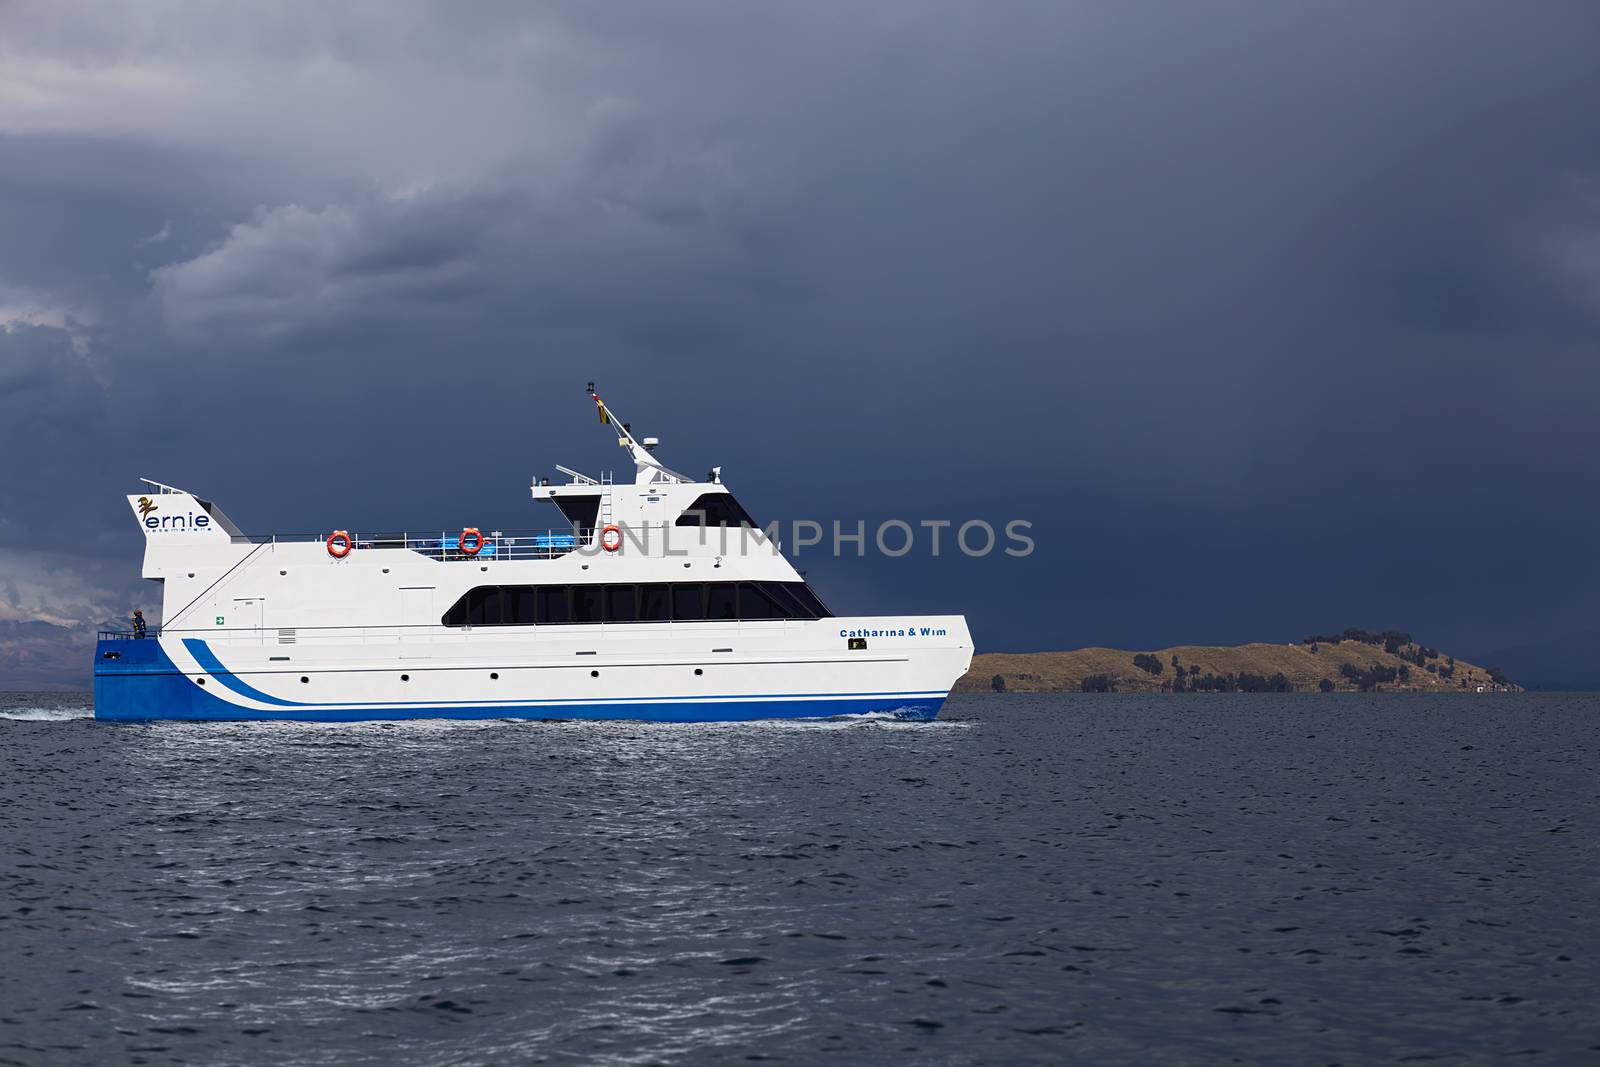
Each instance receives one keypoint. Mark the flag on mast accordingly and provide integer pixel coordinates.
(605, 416)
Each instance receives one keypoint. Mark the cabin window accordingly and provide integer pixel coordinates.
(688, 601)
(557, 605)
(809, 599)
(586, 603)
(520, 604)
(483, 606)
(581, 511)
(722, 601)
(654, 604)
(755, 603)
(620, 604)
(788, 603)
(715, 509)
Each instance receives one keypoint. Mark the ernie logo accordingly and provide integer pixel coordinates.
(192, 522)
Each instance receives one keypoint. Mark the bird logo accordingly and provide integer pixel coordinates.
(145, 507)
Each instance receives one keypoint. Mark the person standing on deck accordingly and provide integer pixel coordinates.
(138, 623)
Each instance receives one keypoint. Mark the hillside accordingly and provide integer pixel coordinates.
(1348, 664)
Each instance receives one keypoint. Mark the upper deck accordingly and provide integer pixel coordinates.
(660, 527)
(645, 512)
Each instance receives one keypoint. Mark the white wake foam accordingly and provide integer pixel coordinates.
(25, 713)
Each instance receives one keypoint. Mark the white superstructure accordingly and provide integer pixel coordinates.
(655, 599)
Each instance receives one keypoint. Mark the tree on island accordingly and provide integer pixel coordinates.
(1326, 685)
(1099, 683)
(1369, 679)
(998, 683)
(1391, 640)
(1148, 663)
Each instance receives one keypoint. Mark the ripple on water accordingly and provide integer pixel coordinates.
(1028, 879)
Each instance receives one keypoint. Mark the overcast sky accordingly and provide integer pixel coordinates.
(1270, 318)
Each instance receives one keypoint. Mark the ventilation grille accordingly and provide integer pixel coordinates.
(285, 637)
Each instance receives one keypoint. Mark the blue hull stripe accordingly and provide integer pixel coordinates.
(150, 686)
(211, 665)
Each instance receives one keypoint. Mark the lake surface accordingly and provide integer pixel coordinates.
(1309, 879)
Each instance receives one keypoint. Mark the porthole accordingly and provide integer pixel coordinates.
(405, 677)
(698, 672)
(304, 679)
(191, 574)
(483, 568)
(202, 681)
(594, 674)
(494, 676)
(282, 572)
(386, 570)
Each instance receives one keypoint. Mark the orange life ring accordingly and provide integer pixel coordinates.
(338, 544)
(611, 537)
(477, 541)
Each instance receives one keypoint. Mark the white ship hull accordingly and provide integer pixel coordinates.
(681, 672)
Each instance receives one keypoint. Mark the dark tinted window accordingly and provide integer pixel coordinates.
(688, 602)
(654, 605)
(802, 592)
(715, 509)
(553, 604)
(519, 605)
(483, 606)
(586, 603)
(620, 604)
(722, 601)
(792, 608)
(581, 511)
(754, 603)
(526, 605)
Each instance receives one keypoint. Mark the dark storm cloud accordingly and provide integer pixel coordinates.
(1270, 319)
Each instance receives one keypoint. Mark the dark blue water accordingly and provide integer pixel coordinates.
(1302, 879)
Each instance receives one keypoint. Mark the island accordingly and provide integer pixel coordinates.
(1353, 660)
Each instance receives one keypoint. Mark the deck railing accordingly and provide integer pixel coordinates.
(445, 546)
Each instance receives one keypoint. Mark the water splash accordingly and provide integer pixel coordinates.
(45, 707)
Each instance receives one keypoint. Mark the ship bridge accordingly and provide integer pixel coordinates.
(661, 512)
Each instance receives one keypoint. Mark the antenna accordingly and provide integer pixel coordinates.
(648, 466)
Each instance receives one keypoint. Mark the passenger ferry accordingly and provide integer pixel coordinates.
(658, 599)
